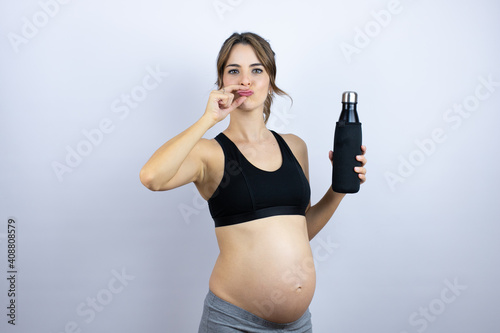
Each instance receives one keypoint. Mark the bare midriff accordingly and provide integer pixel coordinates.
(266, 267)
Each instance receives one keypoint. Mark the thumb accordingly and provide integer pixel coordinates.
(237, 102)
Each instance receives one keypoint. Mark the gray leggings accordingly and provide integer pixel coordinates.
(220, 316)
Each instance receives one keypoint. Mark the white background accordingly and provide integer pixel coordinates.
(392, 246)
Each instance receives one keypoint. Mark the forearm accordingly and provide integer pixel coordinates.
(167, 160)
(317, 216)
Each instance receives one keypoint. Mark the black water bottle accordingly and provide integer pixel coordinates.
(346, 146)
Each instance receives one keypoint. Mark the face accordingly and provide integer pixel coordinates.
(244, 68)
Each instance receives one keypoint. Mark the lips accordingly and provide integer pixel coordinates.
(245, 92)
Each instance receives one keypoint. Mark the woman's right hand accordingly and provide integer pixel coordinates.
(222, 102)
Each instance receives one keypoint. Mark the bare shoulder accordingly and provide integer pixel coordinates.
(296, 144)
(207, 143)
(211, 154)
(207, 148)
(299, 150)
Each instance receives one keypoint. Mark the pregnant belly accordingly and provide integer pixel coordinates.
(266, 267)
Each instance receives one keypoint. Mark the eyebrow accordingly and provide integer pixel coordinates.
(252, 65)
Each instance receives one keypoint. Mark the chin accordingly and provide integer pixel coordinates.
(247, 108)
(250, 105)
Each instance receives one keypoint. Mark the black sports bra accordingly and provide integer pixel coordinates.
(247, 193)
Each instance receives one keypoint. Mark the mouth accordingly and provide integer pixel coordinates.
(245, 92)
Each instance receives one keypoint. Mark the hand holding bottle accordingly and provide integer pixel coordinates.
(347, 163)
(360, 170)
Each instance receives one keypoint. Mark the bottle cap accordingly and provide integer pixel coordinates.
(349, 97)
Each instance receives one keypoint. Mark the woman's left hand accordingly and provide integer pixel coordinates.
(360, 170)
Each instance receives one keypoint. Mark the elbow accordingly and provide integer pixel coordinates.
(147, 179)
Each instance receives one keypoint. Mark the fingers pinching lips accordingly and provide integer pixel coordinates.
(233, 88)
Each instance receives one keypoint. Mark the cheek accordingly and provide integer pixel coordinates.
(264, 81)
(228, 80)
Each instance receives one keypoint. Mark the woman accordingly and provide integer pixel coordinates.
(257, 188)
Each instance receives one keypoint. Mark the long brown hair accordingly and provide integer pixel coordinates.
(264, 53)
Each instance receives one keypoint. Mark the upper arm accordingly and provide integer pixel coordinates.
(191, 169)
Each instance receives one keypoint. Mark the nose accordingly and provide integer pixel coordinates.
(245, 80)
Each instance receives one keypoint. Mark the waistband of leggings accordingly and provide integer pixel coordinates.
(230, 308)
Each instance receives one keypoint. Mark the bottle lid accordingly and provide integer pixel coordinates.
(349, 97)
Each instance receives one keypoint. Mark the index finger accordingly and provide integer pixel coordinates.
(234, 87)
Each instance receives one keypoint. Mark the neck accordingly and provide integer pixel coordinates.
(247, 125)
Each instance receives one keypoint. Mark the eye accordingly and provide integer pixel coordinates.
(233, 71)
(258, 70)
